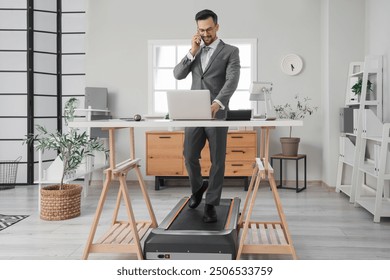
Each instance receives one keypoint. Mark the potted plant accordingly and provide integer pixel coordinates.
(298, 111)
(357, 87)
(62, 201)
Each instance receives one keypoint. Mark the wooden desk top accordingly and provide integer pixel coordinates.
(162, 123)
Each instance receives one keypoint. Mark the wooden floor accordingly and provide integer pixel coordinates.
(322, 223)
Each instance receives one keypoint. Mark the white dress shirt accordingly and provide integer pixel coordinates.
(205, 53)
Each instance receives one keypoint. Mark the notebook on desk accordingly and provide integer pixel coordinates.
(189, 104)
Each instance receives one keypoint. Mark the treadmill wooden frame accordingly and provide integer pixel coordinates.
(125, 236)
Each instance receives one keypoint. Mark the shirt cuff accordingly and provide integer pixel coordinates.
(190, 56)
(219, 103)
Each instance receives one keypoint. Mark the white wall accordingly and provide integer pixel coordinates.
(378, 42)
(343, 34)
(352, 29)
(327, 34)
(117, 53)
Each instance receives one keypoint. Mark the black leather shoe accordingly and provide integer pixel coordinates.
(210, 214)
(196, 198)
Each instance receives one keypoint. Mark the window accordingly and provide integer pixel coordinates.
(163, 57)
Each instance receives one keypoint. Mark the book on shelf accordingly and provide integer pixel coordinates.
(346, 120)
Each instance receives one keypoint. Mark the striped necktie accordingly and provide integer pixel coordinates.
(205, 56)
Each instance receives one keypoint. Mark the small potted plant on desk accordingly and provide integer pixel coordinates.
(299, 111)
(62, 201)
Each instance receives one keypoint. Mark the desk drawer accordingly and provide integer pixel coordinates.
(244, 168)
(164, 167)
(236, 153)
(165, 145)
(240, 154)
(241, 139)
(239, 168)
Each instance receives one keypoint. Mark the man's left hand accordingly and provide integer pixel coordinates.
(214, 109)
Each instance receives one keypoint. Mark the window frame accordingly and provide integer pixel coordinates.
(253, 42)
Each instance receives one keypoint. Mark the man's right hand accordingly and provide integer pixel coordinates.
(195, 43)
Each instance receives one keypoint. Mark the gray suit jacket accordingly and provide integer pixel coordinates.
(221, 75)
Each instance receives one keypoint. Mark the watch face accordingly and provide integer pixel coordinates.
(291, 64)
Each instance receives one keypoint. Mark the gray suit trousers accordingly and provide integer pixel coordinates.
(195, 140)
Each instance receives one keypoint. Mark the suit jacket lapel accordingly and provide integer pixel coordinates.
(219, 48)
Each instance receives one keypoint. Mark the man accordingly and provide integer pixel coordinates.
(214, 66)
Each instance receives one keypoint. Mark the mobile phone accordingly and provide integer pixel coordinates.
(200, 38)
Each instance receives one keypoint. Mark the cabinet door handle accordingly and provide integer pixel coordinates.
(237, 164)
(238, 151)
(237, 137)
(164, 137)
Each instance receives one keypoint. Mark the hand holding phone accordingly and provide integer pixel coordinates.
(195, 44)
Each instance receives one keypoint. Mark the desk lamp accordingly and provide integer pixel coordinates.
(261, 91)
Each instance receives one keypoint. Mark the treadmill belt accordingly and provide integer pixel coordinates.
(192, 219)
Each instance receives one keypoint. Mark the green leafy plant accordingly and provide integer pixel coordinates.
(72, 147)
(298, 111)
(357, 87)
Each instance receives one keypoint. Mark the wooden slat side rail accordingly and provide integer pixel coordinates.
(121, 233)
(269, 233)
(272, 240)
(125, 166)
(266, 249)
(129, 238)
(177, 213)
(280, 233)
(229, 214)
(263, 234)
(115, 230)
(255, 236)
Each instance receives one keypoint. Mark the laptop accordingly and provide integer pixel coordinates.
(189, 104)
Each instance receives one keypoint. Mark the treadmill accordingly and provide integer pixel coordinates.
(183, 235)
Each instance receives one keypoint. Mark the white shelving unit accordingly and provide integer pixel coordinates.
(365, 150)
(374, 197)
(348, 141)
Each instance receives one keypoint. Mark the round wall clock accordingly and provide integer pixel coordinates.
(291, 64)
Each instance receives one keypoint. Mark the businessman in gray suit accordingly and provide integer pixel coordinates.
(214, 66)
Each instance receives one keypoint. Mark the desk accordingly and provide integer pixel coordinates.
(124, 236)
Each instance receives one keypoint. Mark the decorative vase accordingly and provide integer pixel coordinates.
(290, 145)
(61, 204)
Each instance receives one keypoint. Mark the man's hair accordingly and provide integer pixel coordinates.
(205, 14)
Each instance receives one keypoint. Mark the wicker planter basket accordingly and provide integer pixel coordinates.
(59, 204)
